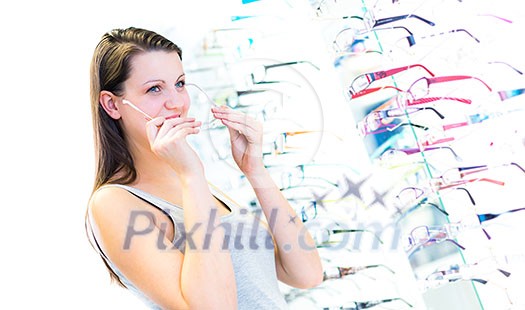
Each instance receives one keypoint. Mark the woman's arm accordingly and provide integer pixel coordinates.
(203, 277)
(135, 239)
(207, 277)
(207, 268)
(298, 262)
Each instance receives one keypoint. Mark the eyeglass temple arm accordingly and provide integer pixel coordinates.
(504, 272)
(380, 265)
(446, 148)
(352, 16)
(410, 151)
(486, 167)
(355, 269)
(432, 109)
(467, 32)
(432, 99)
(250, 91)
(410, 38)
(435, 206)
(344, 271)
(410, 34)
(451, 31)
(506, 94)
(454, 242)
(482, 281)
(372, 90)
(291, 63)
(388, 20)
(517, 165)
(445, 185)
(372, 303)
(489, 216)
(406, 124)
(508, 65)
(341, 231)
(468, 170)
(498, 17)
(382, 74)
(372, 76)
(468, 194)
(386, 114)
(413, 188)
(464, 171)
(444, 79)
(134, 107)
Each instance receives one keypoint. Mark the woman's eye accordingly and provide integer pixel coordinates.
(154, 89)
(180, 84)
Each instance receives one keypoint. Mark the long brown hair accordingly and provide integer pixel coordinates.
(110, 68)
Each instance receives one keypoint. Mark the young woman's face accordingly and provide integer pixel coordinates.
(156, 86)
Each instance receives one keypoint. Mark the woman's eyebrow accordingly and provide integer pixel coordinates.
(152, 81)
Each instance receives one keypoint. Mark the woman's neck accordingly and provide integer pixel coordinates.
(154, 175)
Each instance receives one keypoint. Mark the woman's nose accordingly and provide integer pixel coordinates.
(176, 100)
(173, 104)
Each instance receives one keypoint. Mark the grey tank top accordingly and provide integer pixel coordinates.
(248, 240)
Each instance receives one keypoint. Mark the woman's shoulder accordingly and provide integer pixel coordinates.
(112, 210)
(109, 202)
(110, 194)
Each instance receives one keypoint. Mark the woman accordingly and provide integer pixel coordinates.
(162, 230)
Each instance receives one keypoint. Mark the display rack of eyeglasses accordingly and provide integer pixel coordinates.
(395, 130)
(432, 99)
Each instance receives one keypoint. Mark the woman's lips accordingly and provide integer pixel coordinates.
(172, 116)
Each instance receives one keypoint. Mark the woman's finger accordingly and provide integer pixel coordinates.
(235, 117)
(194, 127)
(152, 128)
(173, 122)
(235, 127)
(226, 112)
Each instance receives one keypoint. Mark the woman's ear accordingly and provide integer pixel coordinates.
(107, 101)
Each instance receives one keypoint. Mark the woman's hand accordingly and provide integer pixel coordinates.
(167, 138)
(245, 137)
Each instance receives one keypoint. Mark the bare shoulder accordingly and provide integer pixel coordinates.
(108, 205)
(111, 208)
(136, 246)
